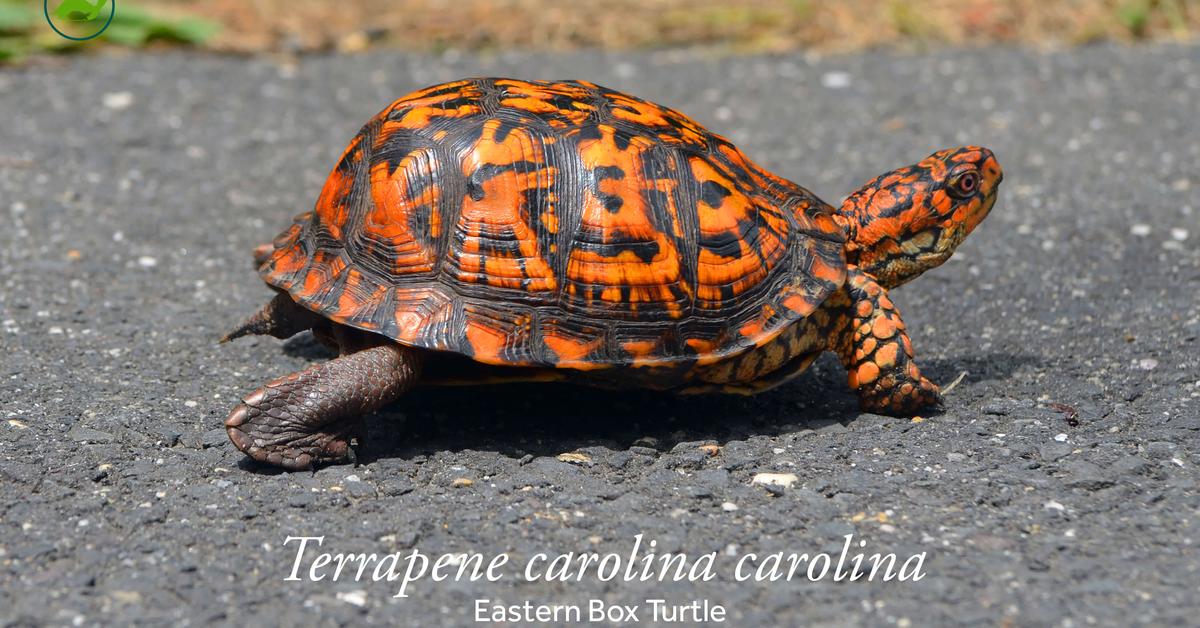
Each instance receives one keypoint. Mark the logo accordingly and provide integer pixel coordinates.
(80, 20)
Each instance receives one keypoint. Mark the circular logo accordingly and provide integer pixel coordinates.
(80, 20)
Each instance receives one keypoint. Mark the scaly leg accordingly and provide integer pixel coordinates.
(877, 353)
(310, 416)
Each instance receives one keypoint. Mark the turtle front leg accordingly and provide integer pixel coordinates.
(309, 417)
(877, 353)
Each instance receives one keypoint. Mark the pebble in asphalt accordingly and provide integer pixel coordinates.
(1060, 482)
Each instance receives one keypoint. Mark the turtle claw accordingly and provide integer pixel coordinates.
(274, 441)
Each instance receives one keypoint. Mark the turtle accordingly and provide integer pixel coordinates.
(493, 230)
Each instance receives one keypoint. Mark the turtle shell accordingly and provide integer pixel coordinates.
(559, 224)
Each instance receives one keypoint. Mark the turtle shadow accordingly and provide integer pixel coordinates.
(305, 345)
(547, 419)
(519, 420)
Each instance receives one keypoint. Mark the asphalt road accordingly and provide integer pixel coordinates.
(1059, 486)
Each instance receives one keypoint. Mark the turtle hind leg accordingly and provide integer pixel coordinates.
(281, 317)
(877, 353)
(309, 417)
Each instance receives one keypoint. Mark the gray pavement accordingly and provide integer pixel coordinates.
(1059, 487)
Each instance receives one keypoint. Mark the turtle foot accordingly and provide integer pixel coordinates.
(276, 439)
(311, 416)
(900, 399)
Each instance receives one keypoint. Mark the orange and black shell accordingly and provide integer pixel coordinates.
(559, 224)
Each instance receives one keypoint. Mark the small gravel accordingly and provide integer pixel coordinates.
(134, 188)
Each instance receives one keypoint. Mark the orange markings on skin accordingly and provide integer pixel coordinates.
(935, 165)
(971, 214)
(883, 199)
(883, 328)
(941, 202)
(886, 356)
(967, 157)
(918, 197)
(863, 309)
(866, 373)
(868, 346)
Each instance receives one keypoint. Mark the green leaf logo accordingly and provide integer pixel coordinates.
(79, 10)
(78, 15)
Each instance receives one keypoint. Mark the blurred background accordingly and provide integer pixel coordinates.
(748, 26)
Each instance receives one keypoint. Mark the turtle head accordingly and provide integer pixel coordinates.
(903, 223)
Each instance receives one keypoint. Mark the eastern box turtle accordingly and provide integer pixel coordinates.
(491, 230)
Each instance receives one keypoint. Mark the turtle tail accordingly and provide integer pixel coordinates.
(281, 318)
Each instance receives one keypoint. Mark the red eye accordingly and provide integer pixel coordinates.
(966, 183)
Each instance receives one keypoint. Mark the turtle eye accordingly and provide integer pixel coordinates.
(965, 183)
